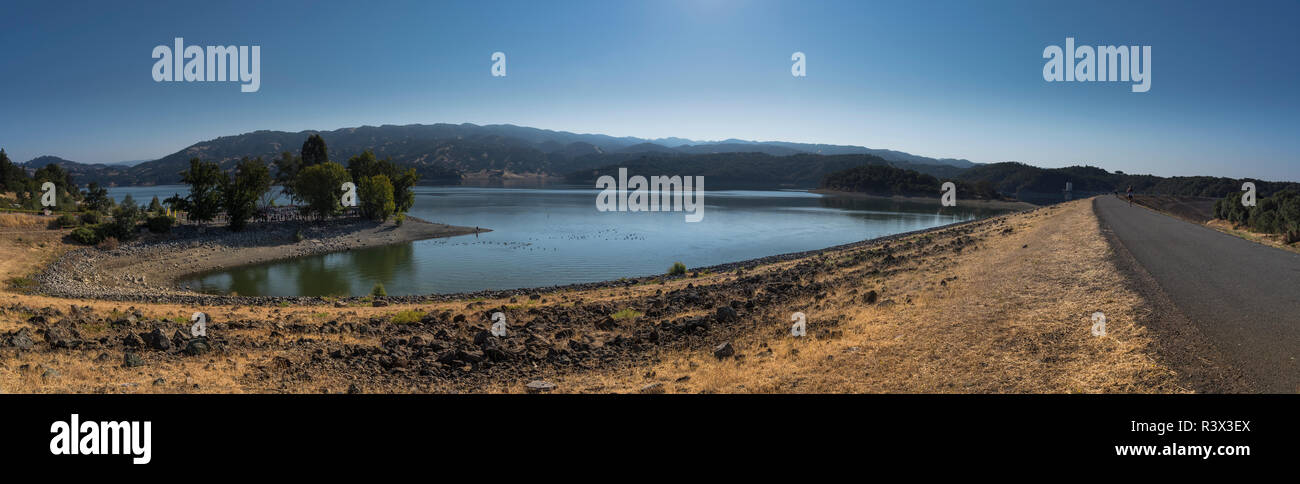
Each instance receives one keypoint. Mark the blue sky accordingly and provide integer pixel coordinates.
(942, 79)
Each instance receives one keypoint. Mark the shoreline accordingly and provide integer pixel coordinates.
(151, 268)
(996, 204)
(172, 294)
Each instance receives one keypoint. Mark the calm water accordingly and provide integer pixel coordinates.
(554, 236)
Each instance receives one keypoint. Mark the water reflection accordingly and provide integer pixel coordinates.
(553, 236)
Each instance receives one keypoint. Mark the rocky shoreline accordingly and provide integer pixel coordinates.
(148, 269)
(64, 277)
(446, 348)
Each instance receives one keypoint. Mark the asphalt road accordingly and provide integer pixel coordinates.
(1245, 297)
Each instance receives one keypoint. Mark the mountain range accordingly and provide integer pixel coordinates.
(447, 152)
(455, 153)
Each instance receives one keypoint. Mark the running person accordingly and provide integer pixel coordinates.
(1130, 195)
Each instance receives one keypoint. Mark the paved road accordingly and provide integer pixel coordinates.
(1244, 296)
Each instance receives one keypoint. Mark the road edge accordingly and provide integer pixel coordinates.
(1179, 343)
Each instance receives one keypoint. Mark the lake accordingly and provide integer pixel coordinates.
(555, 235)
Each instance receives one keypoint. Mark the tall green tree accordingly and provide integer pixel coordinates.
(286, 171)
(376, 194)
(204, 201)
(240, 192)
(13, 178)
(314, 151)
(96, 199)
(55, 174)
(320, 188)
(365, 165)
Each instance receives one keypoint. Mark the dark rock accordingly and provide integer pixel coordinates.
(539, 386)
(132, 341)
(61, 338)
(482, 337)
(726, 314)
(448, 357)
(724, 350)
(22, 339)
(197, 346)
(496, 354)
(131, 360)
(655, 388)
(156, 340)
(470, 356)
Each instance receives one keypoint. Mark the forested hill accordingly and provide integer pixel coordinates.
(757, 170)
(1026, 182)
(445, 152)
(885, 180)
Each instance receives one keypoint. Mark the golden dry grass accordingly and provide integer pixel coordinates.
(1017, 319)
(1010, 315)
(1271, 240)
(22, 221)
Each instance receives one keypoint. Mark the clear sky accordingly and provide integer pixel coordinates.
(942, 79)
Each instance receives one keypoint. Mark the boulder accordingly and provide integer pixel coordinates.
(539, 386)
(724, 350)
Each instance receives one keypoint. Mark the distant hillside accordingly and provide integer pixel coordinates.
(727, 170)
(1034, 184)
(81, 172)
(448, 153)
(885, 180)
(443, 151)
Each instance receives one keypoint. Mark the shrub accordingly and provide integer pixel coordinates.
(627, 314)
(64, 221)
(399, 218)
(407, 317)
(125, 218)
(85, 235)
(1277, 214)
(21, 283)
(160, 224)
(90, 218)
(378, 290)
(677, 269)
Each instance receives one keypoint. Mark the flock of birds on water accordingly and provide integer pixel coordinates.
(534, 244)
